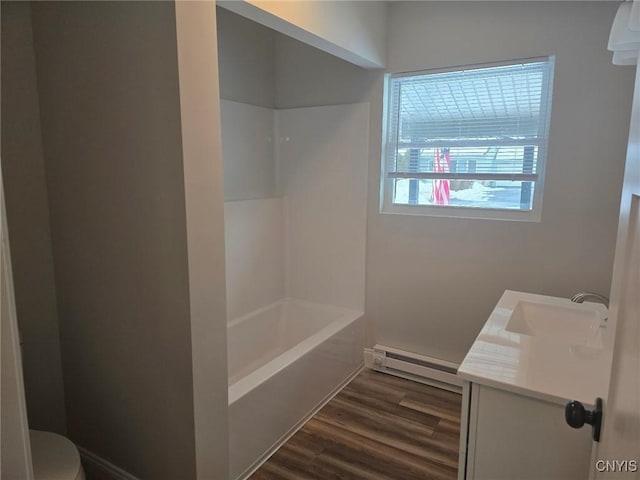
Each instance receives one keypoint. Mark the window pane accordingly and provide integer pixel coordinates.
(501, 194)
(493, 102)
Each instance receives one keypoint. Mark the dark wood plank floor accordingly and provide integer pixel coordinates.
(378, 427)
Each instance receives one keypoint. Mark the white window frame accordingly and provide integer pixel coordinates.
(387, 183)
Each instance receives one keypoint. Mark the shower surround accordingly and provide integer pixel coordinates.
(295, 223)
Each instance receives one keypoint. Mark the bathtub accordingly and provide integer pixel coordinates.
(285, 361)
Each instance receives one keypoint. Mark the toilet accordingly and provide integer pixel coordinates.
(54, 457)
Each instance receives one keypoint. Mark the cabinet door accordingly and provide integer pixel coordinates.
(517, 437)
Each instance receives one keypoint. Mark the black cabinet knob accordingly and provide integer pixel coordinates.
(576, 416)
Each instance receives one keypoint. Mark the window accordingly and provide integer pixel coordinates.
(468, 142)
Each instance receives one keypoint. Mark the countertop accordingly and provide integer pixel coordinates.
(537, 367)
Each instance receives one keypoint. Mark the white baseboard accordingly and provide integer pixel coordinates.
(109, 469)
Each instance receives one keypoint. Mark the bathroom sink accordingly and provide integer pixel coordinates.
(570, 324)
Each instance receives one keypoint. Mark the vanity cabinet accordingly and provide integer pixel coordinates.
(533, 355)
(509, 436)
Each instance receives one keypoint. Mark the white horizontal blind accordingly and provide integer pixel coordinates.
(487, 124)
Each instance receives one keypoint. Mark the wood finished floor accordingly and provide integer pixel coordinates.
(378, 427)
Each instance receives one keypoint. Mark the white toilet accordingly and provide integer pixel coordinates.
(54, 457)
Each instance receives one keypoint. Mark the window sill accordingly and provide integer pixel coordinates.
(464, 212)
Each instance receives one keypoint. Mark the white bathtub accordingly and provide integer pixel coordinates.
(285, 361)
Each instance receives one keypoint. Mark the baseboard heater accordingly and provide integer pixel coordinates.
(412, 366)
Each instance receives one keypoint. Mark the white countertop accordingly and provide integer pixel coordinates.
(537, 367)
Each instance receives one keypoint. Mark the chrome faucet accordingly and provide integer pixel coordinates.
(582, 296)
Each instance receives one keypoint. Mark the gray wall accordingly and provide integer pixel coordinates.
(28, 219)
(246, 60)
(306, 77)
(108, 86)
(432, 282)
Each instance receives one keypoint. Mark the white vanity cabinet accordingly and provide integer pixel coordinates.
(533, 355)
(507, 436)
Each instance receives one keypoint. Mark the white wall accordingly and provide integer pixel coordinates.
(246, 60)
(254, 217)
(254, 237)
(322, 163)
(248, 150)
(432, 282)
(309, 244)
(352, 30)
(204, 218)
